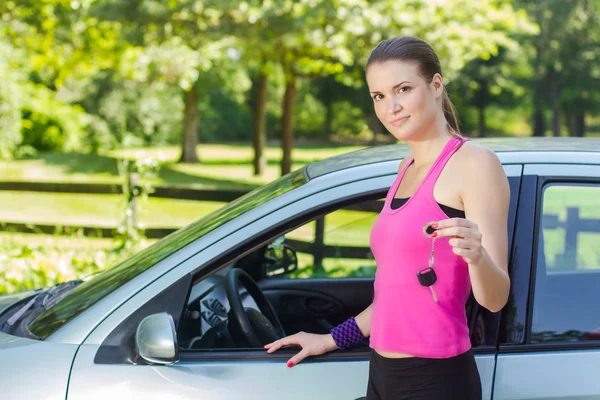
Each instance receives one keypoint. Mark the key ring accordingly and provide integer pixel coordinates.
(429, 278)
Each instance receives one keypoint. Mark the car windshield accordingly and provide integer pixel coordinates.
(88, 293)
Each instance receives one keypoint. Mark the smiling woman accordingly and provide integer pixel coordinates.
(419, 340)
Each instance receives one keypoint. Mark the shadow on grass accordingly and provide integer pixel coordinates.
(172, 177)
(77, 163)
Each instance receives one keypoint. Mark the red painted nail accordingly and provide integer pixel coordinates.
(434, 225)
(290, 364)
(434, 234)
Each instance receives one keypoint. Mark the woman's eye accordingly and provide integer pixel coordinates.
(377, 97)
(404, 89)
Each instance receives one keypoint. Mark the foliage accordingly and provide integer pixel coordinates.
(25, 267)
(28, 267)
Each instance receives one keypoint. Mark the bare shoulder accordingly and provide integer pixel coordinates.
(482, 171)
(478, 160)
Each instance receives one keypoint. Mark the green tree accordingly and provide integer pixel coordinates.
(174, 42)
(579, 77)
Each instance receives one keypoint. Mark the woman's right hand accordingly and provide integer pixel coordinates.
(312, 345)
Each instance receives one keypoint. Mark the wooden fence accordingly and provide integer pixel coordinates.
(318, 248)
(573, 224)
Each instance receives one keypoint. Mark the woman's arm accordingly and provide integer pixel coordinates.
(482, 238)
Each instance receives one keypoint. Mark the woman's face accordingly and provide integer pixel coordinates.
(405, 103)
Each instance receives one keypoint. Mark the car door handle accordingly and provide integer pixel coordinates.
(321, 306)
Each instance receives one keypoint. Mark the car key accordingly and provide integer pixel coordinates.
(427, 276)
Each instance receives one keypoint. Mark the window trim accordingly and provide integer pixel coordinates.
(530, 252)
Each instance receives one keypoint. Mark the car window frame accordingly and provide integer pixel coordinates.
(535, 178)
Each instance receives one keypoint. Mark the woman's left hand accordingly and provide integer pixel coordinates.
(464, 235)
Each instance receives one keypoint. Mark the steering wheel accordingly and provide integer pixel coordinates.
(248, 326)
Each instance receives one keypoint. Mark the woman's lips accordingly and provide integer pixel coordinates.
(399, 121)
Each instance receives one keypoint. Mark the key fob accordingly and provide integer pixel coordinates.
(427, 277)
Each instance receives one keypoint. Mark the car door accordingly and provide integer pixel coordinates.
(549, 344)
(107, 366)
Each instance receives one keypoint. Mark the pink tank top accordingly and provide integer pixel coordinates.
(405, 317)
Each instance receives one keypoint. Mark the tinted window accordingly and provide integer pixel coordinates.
(566, 304)
(95, 289)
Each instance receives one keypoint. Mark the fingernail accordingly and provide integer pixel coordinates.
(434, 225)
(290, 364)
(265, 346)
(434, 234)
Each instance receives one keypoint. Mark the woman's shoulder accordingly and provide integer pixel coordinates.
(471, 154)
(479, 166)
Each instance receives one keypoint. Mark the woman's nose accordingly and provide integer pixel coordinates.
(393, 106)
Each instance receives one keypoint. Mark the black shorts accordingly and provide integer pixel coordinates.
(415, 378)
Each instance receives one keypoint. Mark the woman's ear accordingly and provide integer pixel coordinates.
(438, 85)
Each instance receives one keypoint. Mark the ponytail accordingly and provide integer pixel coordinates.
(450, 115)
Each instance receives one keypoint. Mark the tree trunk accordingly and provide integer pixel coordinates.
(553, 94)
(259, 135)
(570, 122)
(375, 126)
(481, 113)
(329, 118)
(539, 122)
(287, 124)
(190, 130)
(580, 125)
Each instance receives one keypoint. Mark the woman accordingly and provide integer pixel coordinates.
(442, 232)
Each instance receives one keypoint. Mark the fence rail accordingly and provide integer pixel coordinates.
(318, 248)
(161, 191)
(573, 224)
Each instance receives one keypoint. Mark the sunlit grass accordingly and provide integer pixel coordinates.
(98, 210)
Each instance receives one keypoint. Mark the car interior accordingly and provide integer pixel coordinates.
(259, 297)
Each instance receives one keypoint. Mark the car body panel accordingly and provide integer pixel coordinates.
(564, 375)
(32, 369)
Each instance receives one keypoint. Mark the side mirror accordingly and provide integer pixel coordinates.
(156, 339)
(279, 259)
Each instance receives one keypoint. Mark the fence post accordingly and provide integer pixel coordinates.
(318, 248)
(571, 234)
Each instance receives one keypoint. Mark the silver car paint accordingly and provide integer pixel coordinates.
(34, 370)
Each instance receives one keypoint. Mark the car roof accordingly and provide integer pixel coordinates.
(517, 145)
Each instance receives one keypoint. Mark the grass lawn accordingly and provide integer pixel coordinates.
(97, 209)
(221, 167)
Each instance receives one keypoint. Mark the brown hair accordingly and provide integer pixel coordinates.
(412, 49)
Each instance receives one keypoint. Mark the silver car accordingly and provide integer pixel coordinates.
(186, 318)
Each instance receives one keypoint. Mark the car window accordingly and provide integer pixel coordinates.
(90, 292)
(336, 245)
(566, 305)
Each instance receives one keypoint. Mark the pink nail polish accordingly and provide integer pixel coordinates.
(290, 364)
(433, 235)
(434, 225)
